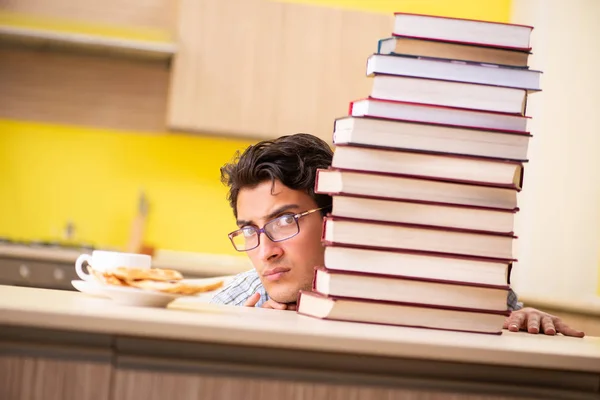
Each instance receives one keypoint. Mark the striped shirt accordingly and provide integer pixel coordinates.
(244, 285)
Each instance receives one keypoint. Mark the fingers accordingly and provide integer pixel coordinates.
(274, 305)
(515, 321)
(279, 306)
(567, 330)
(533, 322)
(252, 300)
(548, 325)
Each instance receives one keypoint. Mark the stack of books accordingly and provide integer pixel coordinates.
(424, 180)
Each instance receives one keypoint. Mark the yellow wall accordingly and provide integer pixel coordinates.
(490, 10)
(51, 174)
(37, 22)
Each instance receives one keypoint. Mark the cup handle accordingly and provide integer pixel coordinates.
(79, 267)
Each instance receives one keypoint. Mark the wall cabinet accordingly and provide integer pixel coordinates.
(140, 16)
(262, 69)
(78, 89)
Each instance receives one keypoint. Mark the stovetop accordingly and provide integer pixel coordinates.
(47, 244)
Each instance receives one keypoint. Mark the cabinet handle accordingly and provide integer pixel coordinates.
(24, 271)
(59, 274)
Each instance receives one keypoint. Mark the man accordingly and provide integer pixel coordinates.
(271, 192)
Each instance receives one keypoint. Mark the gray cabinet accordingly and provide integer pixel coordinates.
(36, 273)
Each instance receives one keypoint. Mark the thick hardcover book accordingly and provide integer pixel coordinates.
(424, 213)
(444, 167)
(473, 96)
(377, 185)
(382, 133)
(400, 314)
(440, 115)
(408, 46)
(401, 289)
(450, 70)
(462, 30)
(402, 236)
(407, 263)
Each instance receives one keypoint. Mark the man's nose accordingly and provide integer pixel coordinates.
(268, 249)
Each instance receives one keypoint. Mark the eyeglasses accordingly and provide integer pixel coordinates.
(277, 230)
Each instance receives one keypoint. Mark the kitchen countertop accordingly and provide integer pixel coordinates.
(39, 253)
(187, 262)
(74, 311)
(208, 265)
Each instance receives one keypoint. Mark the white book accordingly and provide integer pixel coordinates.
(486, 74)
(403, 111)
(444, 93)
(428, 137)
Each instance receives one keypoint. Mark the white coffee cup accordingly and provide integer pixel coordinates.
(103, 261)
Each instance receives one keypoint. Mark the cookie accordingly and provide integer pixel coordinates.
(176, 287)
(150, 274)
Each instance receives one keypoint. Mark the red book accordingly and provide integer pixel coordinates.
(440, 115)
(398, 289)
(416, 264)
(404, 187)
(454, 71)
(426, 90)
(400, 314)
(428, 239)
(460, 30)
(424, 213)
(382, 133)
(444, 167)
(403, 45)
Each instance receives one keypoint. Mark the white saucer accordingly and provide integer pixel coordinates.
(143, 298)
(91, 288)
(137, 297)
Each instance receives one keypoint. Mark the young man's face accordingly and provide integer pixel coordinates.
(288, 266)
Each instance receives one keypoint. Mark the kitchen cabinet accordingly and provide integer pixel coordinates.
(221, 352)
(36, 273)
(116, 93)
(262, 69)
(180, 382)
(50, 372)
(139, 17)
(53, 373)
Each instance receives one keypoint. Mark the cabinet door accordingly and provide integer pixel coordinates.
(146, 19)
(42, 274)
(37, 377)
(94, 90)
(262, 69)
(151, 384)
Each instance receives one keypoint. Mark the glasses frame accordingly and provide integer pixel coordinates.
(258, 231)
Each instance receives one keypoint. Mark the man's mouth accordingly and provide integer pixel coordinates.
(275, 274)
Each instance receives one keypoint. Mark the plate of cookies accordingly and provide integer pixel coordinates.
(141, 286)
(152, 287)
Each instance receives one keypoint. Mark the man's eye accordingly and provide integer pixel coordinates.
(247, 232)
(285, 220)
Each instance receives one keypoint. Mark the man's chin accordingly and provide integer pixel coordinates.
(283, 295)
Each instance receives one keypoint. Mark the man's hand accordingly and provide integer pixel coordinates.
(536, 321)
(252, 300)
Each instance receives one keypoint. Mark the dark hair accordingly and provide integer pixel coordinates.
(291, 159)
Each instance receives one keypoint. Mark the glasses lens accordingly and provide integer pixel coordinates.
(282, 228)
(244, 239)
